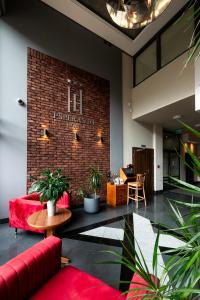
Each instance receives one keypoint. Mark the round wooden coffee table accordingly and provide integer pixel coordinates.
(41, 221)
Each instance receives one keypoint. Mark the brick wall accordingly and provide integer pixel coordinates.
(48, 94)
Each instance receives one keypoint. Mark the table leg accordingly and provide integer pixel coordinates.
(65, 260)
(49, 232)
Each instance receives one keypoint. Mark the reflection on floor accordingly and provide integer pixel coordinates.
(106, 232)
(88, 235)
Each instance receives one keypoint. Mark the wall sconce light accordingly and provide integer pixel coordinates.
(45, 134)
(76, 136)
(99, 139)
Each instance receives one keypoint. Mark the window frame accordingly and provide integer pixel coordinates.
(157, 39)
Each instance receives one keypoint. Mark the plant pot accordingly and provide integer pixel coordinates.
(91, 205)
(51, 208)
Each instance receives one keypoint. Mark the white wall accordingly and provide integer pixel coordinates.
(12, 116)
(197, 84)
(169, 85)
(134, 134)
(165, 87)
(158, 157)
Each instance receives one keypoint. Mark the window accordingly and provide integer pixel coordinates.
(173, 40)
(146, 63)
(176, 39)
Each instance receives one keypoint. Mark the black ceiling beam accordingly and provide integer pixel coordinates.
(2, 8)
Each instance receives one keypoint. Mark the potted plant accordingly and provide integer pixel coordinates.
(51, 186)
(91, 199)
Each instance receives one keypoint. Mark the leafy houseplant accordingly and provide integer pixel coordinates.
(91, 199)
(94, 180)
(51, 186)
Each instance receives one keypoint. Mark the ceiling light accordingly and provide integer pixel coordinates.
(176, 117)
(134, 14)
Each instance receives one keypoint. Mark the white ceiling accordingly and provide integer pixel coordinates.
(86, 18)
(164, 116)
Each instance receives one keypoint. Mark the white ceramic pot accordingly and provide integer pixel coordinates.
(51, 208)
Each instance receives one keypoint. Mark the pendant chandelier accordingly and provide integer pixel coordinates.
(132, 14)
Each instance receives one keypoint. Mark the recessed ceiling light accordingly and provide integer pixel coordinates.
(176, 117)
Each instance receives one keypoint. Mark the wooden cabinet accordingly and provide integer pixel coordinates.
(116, 194)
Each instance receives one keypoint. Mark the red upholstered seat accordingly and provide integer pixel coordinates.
(21, 208)
(64, 201)
(36, 274)
(73, 284)
(138, 282)
(24, 274)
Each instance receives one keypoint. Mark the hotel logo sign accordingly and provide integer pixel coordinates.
(75, 102)
(74, 105)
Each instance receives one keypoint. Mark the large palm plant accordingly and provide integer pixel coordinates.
(183, 266)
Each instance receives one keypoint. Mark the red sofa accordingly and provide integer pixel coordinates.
(21, 208)
(36, 274)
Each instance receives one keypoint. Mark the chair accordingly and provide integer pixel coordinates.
(36, 274)
(21, 208)
(134, 188)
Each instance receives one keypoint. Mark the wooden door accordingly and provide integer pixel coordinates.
(189, 174)
(143, 163)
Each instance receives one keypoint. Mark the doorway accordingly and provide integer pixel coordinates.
(171, 159)
(171, 167)
(189, 173)
(143, 162)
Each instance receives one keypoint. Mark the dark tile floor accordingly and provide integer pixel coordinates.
(85, 253)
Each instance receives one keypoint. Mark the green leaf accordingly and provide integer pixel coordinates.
(192, 260)
(51, 186)
(155, 254)
(190, 187)
(192, 130)
(192, 52)
(186, 203)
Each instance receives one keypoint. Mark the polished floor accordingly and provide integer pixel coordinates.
(87, 236)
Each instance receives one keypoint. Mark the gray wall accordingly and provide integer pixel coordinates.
(33, 24)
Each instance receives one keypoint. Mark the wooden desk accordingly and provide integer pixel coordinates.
(116, 194)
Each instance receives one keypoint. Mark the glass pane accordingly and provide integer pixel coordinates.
(146, 63)
(174, 165)
(165, 164)
(176, 39)
(170, 142)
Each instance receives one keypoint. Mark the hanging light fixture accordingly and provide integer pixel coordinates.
(132, 14)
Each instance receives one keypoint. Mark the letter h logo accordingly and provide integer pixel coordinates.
(76, 103)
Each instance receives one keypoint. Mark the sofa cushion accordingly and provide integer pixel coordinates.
(73, 284)
(64, 201)
(33, 196)
(23, 275)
